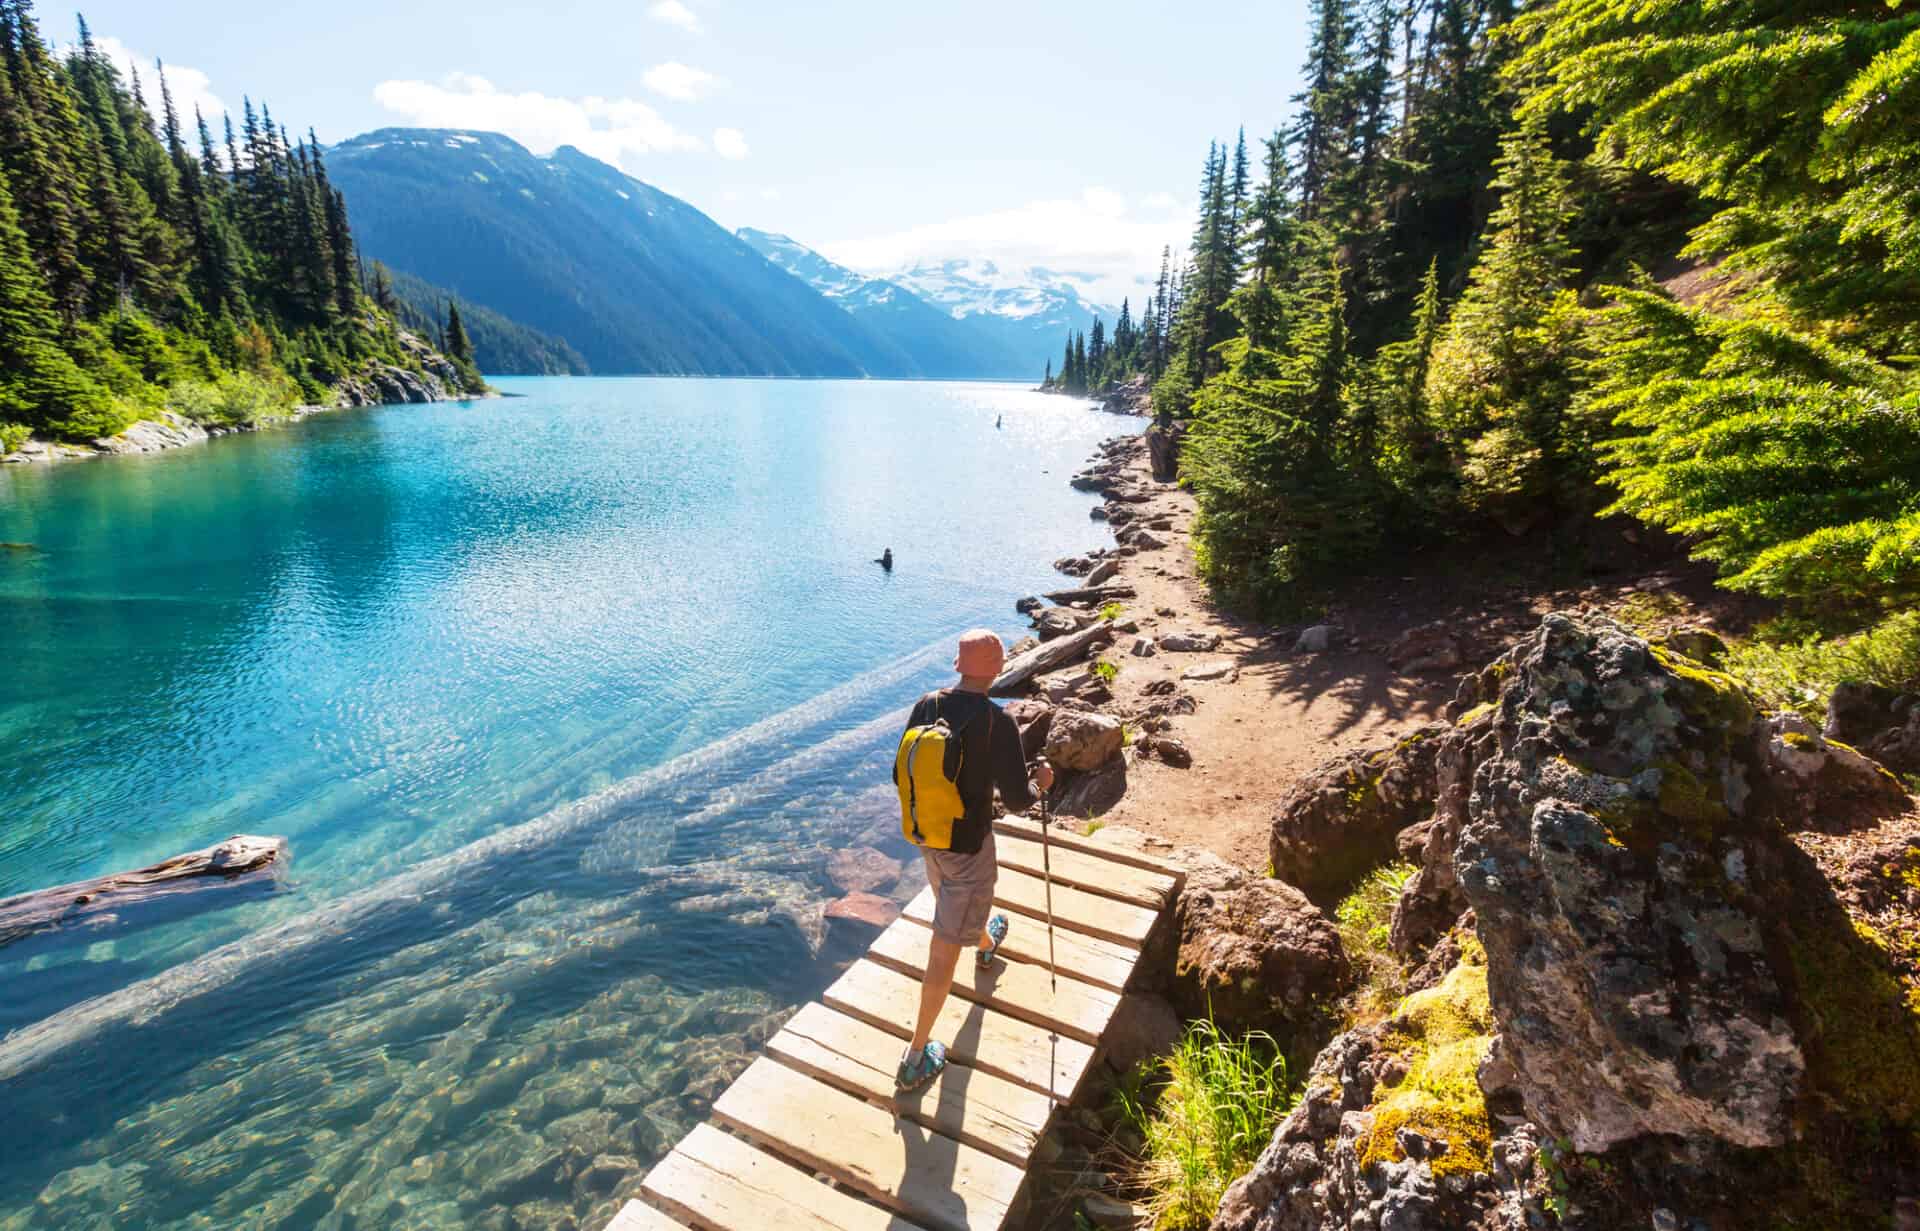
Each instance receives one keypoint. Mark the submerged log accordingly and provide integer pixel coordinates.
(106, 900)
(1055, 653)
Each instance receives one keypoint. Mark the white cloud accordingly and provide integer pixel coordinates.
(610, 129)
(1159, 201)
(189, 86)
(679, 82)
(674, 13)
(1096, 241)
(730, 143)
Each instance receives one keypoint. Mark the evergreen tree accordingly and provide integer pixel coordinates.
(459, 348)
(1500, 381)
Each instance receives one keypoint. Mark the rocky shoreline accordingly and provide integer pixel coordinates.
(380, 385)
(1648, 955)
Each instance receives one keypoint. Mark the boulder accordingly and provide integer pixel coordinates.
(1339, 822)
(1316, 640)
(1029, 604)
(1032, 718)
(1103, 572)
(1143, 1026)
(1825, 784)
(864, 908)
(1163, 450)
(1428, 647)
(1079, 688)
(1857, 711)
(1170, 750)
(1189, 642)
(1022, 646)
(1142, 648)
(1092, 793)
(1256, 954)
(1608, 854)
(1097, 513)
(862, 869)
(1898, 748)
(1051, 622)
(1073, 566)
(1147, 542)
(1081, 740)
(1221, 670)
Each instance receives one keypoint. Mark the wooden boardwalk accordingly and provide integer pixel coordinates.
(812, 1137)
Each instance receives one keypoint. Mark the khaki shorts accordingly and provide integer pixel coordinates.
(962, 892)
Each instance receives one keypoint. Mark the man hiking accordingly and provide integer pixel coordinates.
(957, 748)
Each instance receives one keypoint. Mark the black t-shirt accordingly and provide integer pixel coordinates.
(993, 758)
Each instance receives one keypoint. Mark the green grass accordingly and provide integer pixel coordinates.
(1107, 671)
(1216, 1108)
(1801, 674)
(1112, 611)
(1365, 918)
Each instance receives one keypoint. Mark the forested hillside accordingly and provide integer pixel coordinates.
(500, 344)
(146, 264)
(1431, 306)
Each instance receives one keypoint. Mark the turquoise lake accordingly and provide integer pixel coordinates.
(561, 700)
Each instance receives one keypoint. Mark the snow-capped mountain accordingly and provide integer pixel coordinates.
(942, 342)
(1037, 295)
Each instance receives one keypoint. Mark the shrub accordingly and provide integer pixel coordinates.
(1112, 611)
(1801, 675)
(13, 435)
(1364, 918)
(1107, 671)
(1215, 1111)
(242, 399)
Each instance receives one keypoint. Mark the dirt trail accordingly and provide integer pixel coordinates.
(1283, 713)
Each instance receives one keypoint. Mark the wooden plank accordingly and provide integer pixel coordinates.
(1069, 866)
(984, 1111)
(936, 1181)
(975, 1035)
(639, 1216)
(1059, 835)
(721, 1183)
(1076, 909)
(1019, 989)
(1090, 959)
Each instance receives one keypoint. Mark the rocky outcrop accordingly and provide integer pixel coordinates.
(1339, 822)
(1665, 976)
(1163, 450)
(1254, 953)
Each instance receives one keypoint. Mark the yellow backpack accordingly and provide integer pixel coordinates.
(930, 803)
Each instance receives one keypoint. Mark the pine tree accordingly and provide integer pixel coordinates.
(39, 382)
(1322, 136)
(1499, 383)
(459, 347)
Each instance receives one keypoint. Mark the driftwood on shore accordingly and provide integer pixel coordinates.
(1090, 594)
(1045, 657)
(105, 901)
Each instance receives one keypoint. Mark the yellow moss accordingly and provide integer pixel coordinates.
(1798, 739)
(1475, 714)
(1865, 1024)
(1717, 695)
(1443, 1034)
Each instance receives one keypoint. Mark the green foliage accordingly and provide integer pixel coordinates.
(1793, 463)
(13, 435)
(128, 265)
(243, 399)
(1215, 1110)
(1107, 671)
(1795, 119)
(1112, 611)
(1365, 917)
(1801, 674)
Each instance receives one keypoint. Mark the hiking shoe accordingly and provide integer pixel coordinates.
(911, 1077)
(997, 933)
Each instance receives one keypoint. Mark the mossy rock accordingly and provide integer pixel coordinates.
(1442, 1033)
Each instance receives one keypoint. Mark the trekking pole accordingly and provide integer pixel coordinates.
(1046, 872)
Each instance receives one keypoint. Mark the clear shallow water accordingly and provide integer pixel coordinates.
(561, 701)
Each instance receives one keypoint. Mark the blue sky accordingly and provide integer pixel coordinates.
(1066, 135)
